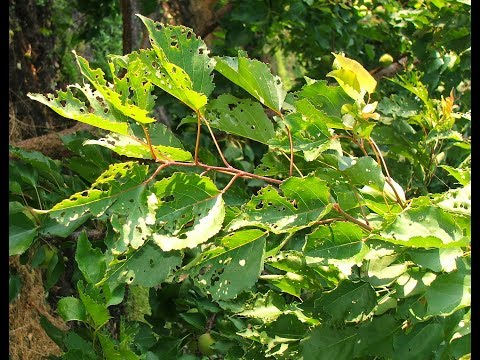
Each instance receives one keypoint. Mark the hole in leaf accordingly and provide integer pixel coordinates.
(200, 51)
(189, 35)
(168, 198)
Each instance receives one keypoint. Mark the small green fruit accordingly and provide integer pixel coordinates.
(204, 343)
(385, 59)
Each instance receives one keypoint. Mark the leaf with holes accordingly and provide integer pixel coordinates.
(97, 113)
(457, 201)
(310, 135)
(241, 117)
(128, 80)
(425, 227)
(132, 147)
(255, 77)
(232, 267)
(168, 76)
(146, 266)
(109, 94)
(190, 211)
(340, 244)
(118, 194)
(184, 49)
(323, 102)
(350, 301)
(305, 201)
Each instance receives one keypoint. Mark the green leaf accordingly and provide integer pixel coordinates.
(113, 351)
(306, 200)
(267, 306)
(131, 147)
(241, 117)
(413, 282)
(352, 77)
(48, 168)
(91, 262)
(338, 241)
(421, 343)
(169, 77)
(463, 176)
(183, 48)
(69, 106)
(110, 95)
(290, 283)
(22, 231)
(146, 266)
(324, 102)
(425, 226)
(309, 135)
(457, 201)
(233, 267)
(71, 308)
(362, 171)
(118, 193)
(255, 77)
(53, 332)
(375, 338)
(448, 293)
(326, 343)
(14, 287)
(350, 301)
(190, 211)
(96, 309)
(438, 260)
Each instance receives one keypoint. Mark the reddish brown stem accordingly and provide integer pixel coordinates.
(350, 218)
(216, 144)
(149, 143)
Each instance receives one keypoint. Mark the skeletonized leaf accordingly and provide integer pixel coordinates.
(184, 49)
(110, 95)
(304, 201)
(233, 267)
(190, 211)
(255, 77)
(241, 117)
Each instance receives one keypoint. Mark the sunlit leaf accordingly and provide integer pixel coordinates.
(255, 77)
(304, 201)
(234, 266)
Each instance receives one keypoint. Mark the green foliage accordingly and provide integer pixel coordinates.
(337, 243)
